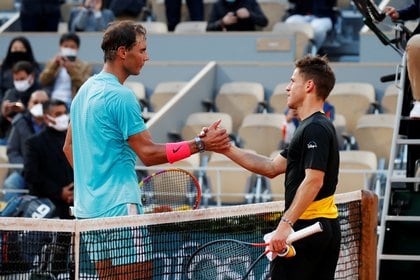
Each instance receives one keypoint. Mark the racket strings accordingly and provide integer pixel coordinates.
(169, 190)
(220, 260)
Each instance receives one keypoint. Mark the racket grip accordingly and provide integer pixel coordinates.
(289, 252)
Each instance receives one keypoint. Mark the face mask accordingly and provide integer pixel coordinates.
(37, 111)
(22, 85)
(69, 53)
(61, 122)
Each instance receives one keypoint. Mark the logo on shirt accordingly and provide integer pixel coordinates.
(312, 145)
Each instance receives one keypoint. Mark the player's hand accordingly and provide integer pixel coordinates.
(278, 241)
(215, 138)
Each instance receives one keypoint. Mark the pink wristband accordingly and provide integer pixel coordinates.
(177, 151)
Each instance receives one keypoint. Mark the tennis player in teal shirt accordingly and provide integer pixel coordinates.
(97, 132)
(105, 134)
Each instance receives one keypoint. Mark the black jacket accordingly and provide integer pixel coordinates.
(46, 169)
(221, 8)
(41, 7)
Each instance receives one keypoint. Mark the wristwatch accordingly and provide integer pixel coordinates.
(199, 144)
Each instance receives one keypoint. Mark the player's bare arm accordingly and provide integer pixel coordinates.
(152, 153)
(305, 195)
(68, 146)
(269, 167)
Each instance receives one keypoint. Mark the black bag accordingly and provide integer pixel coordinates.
(29, 206)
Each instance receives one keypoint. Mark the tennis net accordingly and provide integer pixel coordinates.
(157, 246)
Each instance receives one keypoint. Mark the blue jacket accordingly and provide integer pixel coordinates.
(82, 19)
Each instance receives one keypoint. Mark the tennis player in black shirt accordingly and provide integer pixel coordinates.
(311, 164)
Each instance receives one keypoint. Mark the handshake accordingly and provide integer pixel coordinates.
(215, 138)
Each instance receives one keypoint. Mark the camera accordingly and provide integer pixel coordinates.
(71, 57)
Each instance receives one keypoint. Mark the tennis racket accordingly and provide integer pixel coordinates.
(233, 259)
(171, 189)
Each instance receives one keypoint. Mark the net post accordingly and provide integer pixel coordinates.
(369, 206)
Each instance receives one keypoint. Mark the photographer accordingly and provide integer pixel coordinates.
(65, 73)
(236, 15)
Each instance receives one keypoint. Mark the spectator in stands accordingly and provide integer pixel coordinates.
(412, 49)
(236, 15)
(127, 9)
(319, 13)
(173, 11)
(289, 127)
(46, 169)
(40, 15)
(311, 165)
(19, 49)
(24, 125)
(106, 134)
(16, 99)
(92, 16)
(65, 73)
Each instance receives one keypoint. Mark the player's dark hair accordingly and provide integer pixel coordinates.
(120, 34)
(316, 68)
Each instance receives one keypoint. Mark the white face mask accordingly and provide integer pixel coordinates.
(37, 111)
(23, 85)
(61, 122)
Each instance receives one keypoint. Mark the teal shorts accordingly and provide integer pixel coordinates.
(121, 245)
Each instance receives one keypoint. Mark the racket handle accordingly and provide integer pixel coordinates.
(289, 252)
(317, 227)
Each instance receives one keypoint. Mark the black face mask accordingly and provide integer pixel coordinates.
(18, 56)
